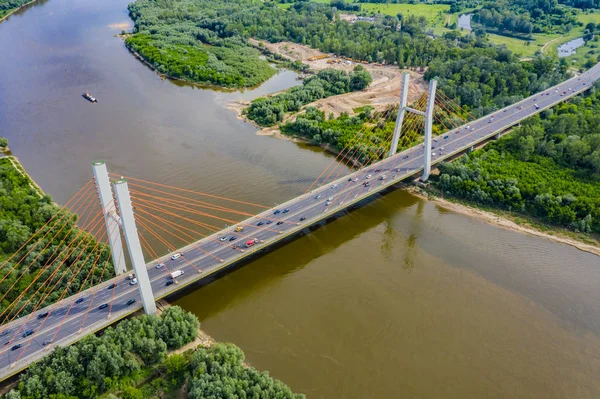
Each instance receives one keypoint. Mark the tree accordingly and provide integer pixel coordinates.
(3, 142)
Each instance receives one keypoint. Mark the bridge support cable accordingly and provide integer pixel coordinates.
(24, 271)
(133, 245)
(357, 148)
(456, 106)
(97, 289)
(158, 206)
(114, 226)
(45, 295)
(365, 158)
(401, 112)
(188, 201)
(66, 289)
(179, 227)
(170, 246)
(50, 279)
(345, 150)
(193, 192)
(428, 129)
(64, 212)
(38, 231)
(106, 196)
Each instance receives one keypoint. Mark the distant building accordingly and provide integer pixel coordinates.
(363, 19)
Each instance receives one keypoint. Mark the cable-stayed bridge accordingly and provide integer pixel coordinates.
(137, 216)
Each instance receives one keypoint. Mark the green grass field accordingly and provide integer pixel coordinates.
(435, 13)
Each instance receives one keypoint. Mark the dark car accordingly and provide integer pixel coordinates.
(260, 223)
(232, 238)
(46, 343)
(130, 302)
(17, 346)
(276, 212)
(269, 221)
(103, 306)
(27, 333)
(6, 343)
(169, 282)
(377, 170)
(110, 287)
(80, 300)
(286, 210)
(302, 218)
(3, 333)
(42, 315)
(349, 179)
(280, 222)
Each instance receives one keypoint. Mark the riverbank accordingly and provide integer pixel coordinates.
(21, 170)
(15, 10)
(510, 221)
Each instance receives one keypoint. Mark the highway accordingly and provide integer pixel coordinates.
(210, 254)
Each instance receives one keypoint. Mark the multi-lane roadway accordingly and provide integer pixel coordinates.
(73, 317)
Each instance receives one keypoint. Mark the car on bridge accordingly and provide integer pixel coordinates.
(250, 243)
(223, 238)
(113, 285)
(169, 282)
(133, 282)
(232, 238)
(286, 210)
(47, 342)
(130, 302)
(160, 265)
(175, 256)
(17, 346)
(80, 300)
(279, 223)
(103, 306)
(260, 223)
(238, 229)
(42, 315)
(3, 333)
(27, 333)
(277, 212)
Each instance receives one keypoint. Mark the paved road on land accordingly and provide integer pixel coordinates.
(206, 256)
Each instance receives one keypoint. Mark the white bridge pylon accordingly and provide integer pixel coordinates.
(118, 209)
(428, 115)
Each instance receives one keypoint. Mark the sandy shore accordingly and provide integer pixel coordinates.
(504, 222)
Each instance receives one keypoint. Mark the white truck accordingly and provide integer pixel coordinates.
(176, 273)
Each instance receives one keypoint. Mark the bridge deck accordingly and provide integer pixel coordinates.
(210, 255)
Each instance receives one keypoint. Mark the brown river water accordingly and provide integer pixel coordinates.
(398, 299)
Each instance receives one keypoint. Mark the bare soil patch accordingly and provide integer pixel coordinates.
(383, 91)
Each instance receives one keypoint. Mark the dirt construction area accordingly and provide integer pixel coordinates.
(384, 90)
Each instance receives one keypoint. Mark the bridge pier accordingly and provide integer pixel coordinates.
(133, 245)
(111, 219)
(428, 130)
(401, 112)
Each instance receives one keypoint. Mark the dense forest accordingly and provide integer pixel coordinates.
(526, 16)
(169, 30)
(267, 111)
(549, 168)
(132, 361)
(22, 212)
(7, 6)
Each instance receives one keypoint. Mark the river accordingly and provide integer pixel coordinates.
(397, 299)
